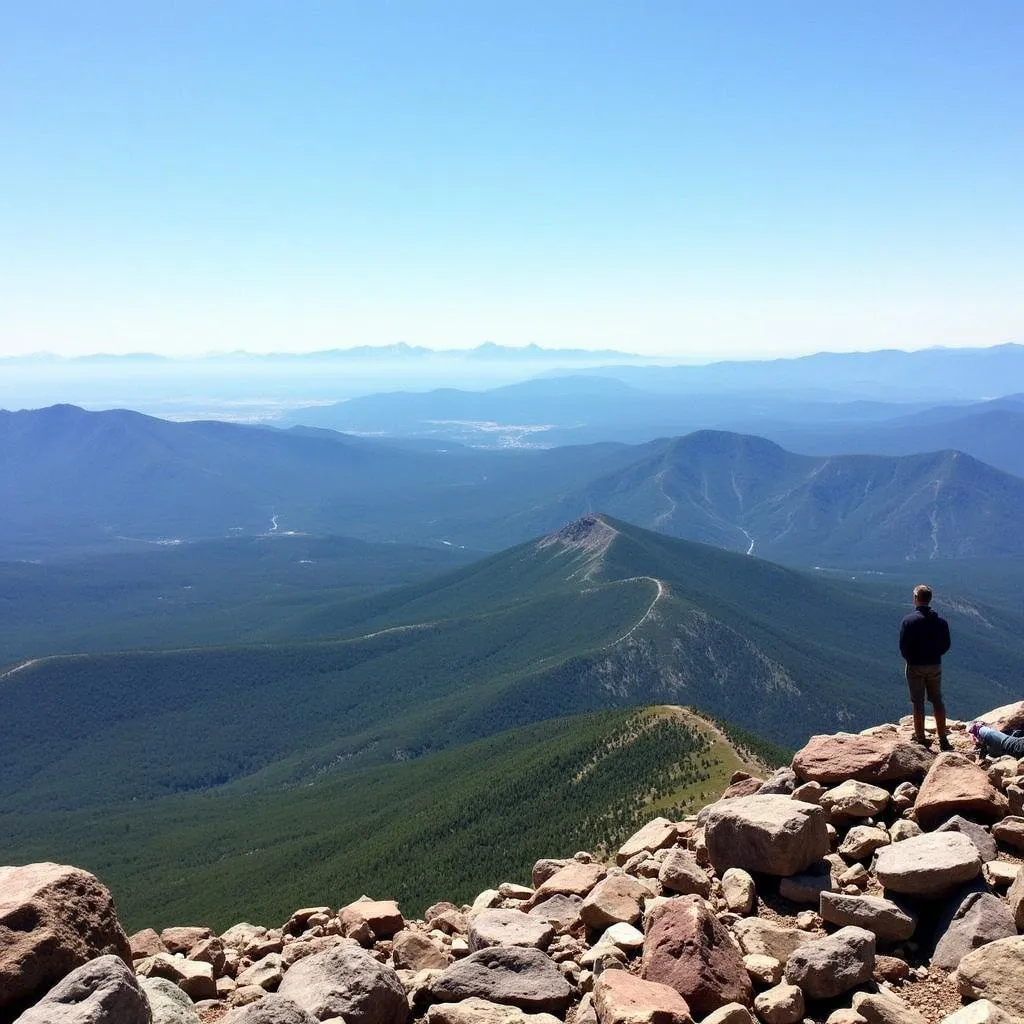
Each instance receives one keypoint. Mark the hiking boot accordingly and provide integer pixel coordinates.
(944, 743)
(923, 741)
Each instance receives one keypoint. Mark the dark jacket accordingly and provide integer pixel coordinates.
(924, 637)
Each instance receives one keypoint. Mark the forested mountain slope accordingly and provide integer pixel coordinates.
(600, 614)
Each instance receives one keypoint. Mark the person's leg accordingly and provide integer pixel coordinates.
(916, 687)
(997, 743)
(933, 684)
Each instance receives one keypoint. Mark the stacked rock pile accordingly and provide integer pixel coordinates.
(871, 881)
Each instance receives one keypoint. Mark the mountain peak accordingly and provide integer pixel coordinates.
(590, 536)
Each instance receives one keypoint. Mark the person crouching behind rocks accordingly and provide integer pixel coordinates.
(924, 639)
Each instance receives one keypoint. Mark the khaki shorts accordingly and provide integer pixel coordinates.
(925, 680)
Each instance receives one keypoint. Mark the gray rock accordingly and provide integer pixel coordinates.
(807, 886)
(887, 921)
(862, 841)
(978, 834)
(509, 928)
(995, 971)
(828, 967)
(853, 799)
(414, 951)
(928, 865)
(885, 1008)
(981, 918)
(561, 912)
(781, 783)
(479, 1011)
(169, 1005)
(102, 991)
(271, 1009)
(774, 835)
(520, 976)
(739, 891)
(680, 873)
(756, 935)
(346, 981)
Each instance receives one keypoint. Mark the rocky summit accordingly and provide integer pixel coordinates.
(871, 882)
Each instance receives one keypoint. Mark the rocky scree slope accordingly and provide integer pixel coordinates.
(870, 881)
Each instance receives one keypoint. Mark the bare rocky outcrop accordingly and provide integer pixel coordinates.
(873, 896)
(53, 918)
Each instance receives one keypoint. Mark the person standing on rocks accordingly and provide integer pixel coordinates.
(924, 639)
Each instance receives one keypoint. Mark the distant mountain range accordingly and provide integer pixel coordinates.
(398, 351)
(244, 387)
(583, 409)
(72, 480)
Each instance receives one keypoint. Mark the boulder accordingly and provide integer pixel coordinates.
(773, 835)
(381, 917)
(757, 935)
(731, 1013)
(829, 966)
(1010, 831)
(240, 935)
(687, 948)
(210, 951)
(267, 973)
(956, 785)
(782, 1004)
(167, 1003)
(928, 865)
(977, 834)
(995, 972)
(764, 970)
(883, 918)
(807, 886)
(1015, 900)
(616, 898)
(781, 783)
(521, 976)
(561, 912)
(575, 879)
(744, 787)
(146, 943)
(854, 799)
(623, 935)
(191, 976)
(413, 951)
(621, 998)
(981, 918)
(680, 873)
(862, 841)
(509, 928)
(543, 870)
(102, 991)
(875, 759)
(271, 1009)
(480, 1011)
(346, 981)
(981, 1011)
(739, 891)
(181, 940)
(904, 829)
(53, 918)
(884, 1007)
(655, 835)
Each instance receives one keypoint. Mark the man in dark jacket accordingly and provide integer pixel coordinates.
(924, 639)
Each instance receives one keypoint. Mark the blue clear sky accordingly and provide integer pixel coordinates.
(702, 179)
